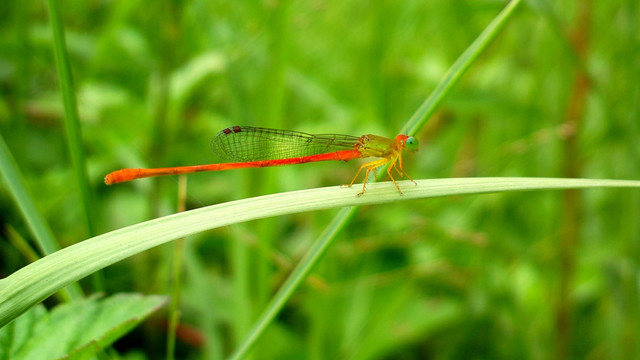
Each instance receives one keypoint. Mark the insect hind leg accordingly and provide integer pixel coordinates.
(372, 165)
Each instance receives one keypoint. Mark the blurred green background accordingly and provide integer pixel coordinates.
(530, 275)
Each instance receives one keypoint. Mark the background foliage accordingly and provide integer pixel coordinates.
(530, 275)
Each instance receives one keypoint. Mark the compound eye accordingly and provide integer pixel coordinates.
(411, 144)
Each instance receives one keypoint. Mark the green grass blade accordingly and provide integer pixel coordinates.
(35, 282)
(17, 188)
(299, 273)
(72, 121)
(459, 68)
(415, 123)
(36, 223)
(175, 288)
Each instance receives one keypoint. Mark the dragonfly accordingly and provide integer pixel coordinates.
(253, 147)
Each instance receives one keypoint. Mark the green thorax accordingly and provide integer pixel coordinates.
(376, 146)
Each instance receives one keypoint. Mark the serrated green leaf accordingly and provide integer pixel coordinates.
(75, 330)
